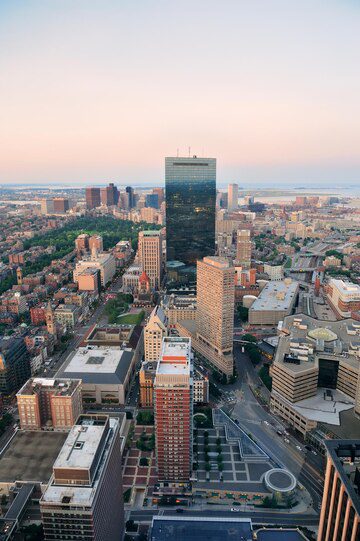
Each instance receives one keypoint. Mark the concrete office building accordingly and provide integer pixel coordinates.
(340, 509)
(92, 196)
(105, 373)
(173, 389)
(49, 403)
(150, 256)
(154, 332)
(215, 312)
(109, 195)
(83, 499)
(67, 315)
(233, 196)
(243, 248)
(276, 301)
(315, 373)
(89, 280)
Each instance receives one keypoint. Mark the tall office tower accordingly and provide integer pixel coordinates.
(215, 311)
(47, 206)
(154, 333)
(340, 508)
(50, 403)
(92, 196)
(131, 197)
(160, 194)
(150, 256)
(61, 205)
(190, 208)
(14, 364)
(173, 409)
(109, 195)
(82, 243)
(152, 200)
(243, 250)
(233, 196)
(83, 499)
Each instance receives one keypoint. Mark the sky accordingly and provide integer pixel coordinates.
(102, 90)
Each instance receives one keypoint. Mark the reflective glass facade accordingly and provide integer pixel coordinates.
(190, 208)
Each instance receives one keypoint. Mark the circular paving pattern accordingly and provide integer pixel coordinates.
(320, 333)
(278, 480)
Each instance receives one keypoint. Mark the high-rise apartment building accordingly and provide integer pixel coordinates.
(190, 208)
(92, 196)
(150, 256)
(83, 499)
(243, 250)
(215, 311)
(44, 402)
(154, 333)
(233, 196)
(173, 402)
(340, 509)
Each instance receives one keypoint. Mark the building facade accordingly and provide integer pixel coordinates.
(150, 256)
(92, 196)
(190, 208)
(154, 332)
(49, 403)
(173, 390)
(233, 196)
(243, 248)
(14, 365)
(340, 508)
(84, 499)
(215, 310)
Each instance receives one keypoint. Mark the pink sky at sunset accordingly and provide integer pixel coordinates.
(98, 90)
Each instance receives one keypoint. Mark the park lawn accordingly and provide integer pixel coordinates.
(131, 319)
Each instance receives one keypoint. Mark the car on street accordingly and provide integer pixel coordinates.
(286, 440)
(298, 447)
(235, 509)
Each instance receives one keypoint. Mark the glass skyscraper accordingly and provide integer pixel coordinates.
(190, 185)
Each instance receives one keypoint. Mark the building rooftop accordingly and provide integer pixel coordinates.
(276, 296)
(276, 534)
(60, 387)
(346, 289)
(30, 456)
(175, 356)
(82, 444)
(92, 455)
(218, 262)
(93, 364)
(200, 529)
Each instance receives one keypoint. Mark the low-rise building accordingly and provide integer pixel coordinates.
(276, 301)
(67, 315)
(105, 373)
(179, 307)
(49, 403)
(274, 272)
(104, 262)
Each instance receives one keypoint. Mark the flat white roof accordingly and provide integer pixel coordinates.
(328, 411)
(95, 360)
(175, 356)
(80, 447)
(276, 296)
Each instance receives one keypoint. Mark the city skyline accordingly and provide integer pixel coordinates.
(274, 97)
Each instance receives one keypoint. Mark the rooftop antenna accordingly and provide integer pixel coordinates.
(189, 151)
